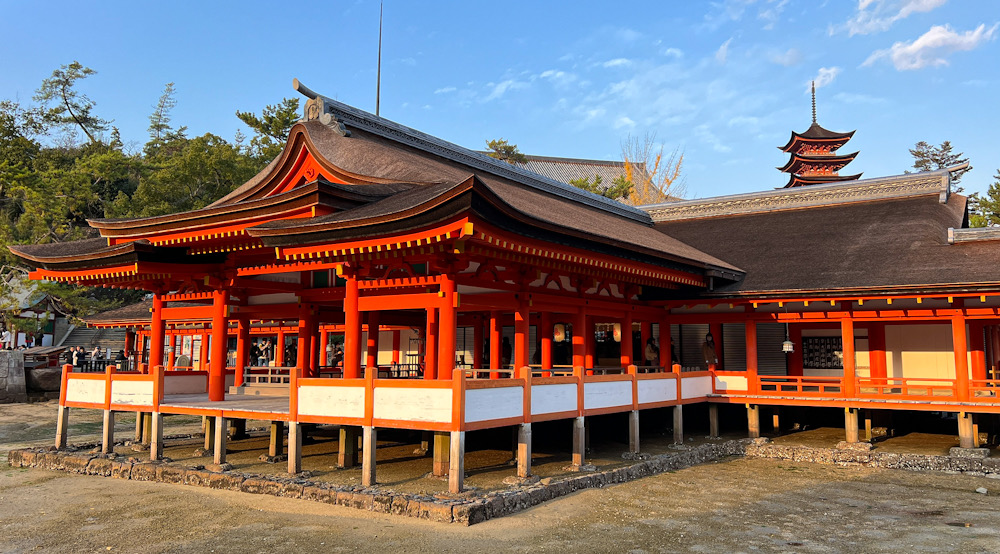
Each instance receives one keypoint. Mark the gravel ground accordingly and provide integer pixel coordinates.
(738, 505)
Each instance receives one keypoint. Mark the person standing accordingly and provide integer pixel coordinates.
(708, 355)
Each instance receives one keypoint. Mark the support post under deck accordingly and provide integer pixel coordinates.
(851, 424)
(369, 438)
(442, 452)
(221, 436)
(108, 436)
(456, 466)
(524, 450)
(62, 425)
(579, 442)
(753, 421)
(294, 447)
(679, 424)
(633, 431)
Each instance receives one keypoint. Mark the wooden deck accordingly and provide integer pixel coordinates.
(270, 407)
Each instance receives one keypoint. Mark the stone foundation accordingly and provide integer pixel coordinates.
(470, 508)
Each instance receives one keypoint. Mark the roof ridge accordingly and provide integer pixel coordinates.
(879, 188)
(389, 129)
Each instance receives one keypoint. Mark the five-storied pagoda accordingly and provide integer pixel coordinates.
(814, 159)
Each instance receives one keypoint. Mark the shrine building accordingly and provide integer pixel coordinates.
(467, 293)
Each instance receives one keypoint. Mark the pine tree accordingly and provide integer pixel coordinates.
(985, 211)
(927, 157)
(66, 107)
(501, 150)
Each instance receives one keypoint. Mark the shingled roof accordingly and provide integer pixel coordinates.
(885, 235)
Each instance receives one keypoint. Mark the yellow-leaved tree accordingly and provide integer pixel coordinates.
(655, 177)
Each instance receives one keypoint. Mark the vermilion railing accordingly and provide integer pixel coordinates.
(800, 386)
(984, 390)
(907, 388)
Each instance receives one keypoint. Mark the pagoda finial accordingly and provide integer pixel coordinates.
(814, 100)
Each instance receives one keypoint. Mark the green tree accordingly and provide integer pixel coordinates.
(160, 130)
(985, 211)
(619, 190)
(271, 128)
(501, 150)
(65, 107)
(198, 172)
(927, 157)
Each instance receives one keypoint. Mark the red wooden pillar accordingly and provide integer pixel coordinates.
(129, 340)
(627, 356)
(171, 350)
(977, 343)
(545, 334)
(716, 330)
(303, 352)
(960, 345)
(448, 329)
(371, 358)
(496, 338)
(579, 339)
(665, 347)
(220, 334)
(850, 370)
(477, 342)
(324, 343)
(314, 353)
(242, 348)
(203, 351)
(352, 330)
(156, 333)
(796, 362)
(279, 347)
(431, 345)
(876, 353)
(520, 336)
(753, 385)
(995, 351)
(395, 346)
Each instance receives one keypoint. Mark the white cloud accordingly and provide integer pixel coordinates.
(874, 16)
(674, 52)
(445, 90)
(788, 58)
(499, 89)
(623, 122)
(703, 133)
(723, 52)
(743, 121)
(933, 47)
(771, 13)
(824, 77)
(852, 98)
(408, 61)
(617, 62)
(557, 77)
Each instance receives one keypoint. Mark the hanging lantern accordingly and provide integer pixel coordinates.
(559, 332)
(617, 332)
(788, 346)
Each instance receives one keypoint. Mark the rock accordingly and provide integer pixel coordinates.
(44, 379)
(982, 490)
(520, 481)
(856, 446)
(202, 452)
(220, 468)
(957, 452)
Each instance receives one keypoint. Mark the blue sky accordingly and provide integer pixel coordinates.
(724, 81)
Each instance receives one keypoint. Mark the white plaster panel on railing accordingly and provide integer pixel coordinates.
(607, 394)
(656, 390)
(179, 383)
(405, 404)
(550, 399)
(696, 387)
(495, 403)
(730, 382)
(332, 401)
(85, 390)
(132, 393)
